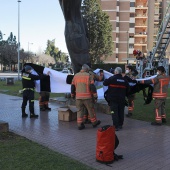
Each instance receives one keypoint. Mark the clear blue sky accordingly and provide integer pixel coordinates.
(40, 20)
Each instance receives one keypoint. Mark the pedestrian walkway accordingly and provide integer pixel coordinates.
(142, 145)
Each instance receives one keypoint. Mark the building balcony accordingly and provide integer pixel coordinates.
(156, 18)
(141, 16)
(141, 32)
(140, 35)
(141, 26)
(157, 3)
(156, 22)
(141, 7)
(140, 43)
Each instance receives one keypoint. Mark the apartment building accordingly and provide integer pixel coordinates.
(135, 24)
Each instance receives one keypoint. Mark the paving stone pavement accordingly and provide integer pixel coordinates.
(142, 145)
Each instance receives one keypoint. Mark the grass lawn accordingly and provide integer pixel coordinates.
(14, 90)
(18, 153)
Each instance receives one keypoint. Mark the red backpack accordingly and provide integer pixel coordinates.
(107, 142)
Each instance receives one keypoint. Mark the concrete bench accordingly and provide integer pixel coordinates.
(4, 127)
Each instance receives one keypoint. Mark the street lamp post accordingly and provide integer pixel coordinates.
(18, 38)
(127, 47)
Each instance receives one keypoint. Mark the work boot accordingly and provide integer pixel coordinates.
(97, 123)
(42, 108)
(116, 128)
(47, 108)
(23, 112)
(129, 114)
(24, 115)
(156, 124)
(81, 127)
(33, 115)
(163, 120)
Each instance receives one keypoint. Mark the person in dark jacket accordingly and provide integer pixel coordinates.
(44, 100)
(44, 94)
(118, 88)
(28, 83)
(130, 76)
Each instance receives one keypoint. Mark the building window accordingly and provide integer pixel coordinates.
(132, 4)
(131, 46)
(117, 24)
(132, 25)
(132, 15)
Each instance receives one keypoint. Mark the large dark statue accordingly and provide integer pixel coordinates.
(75, 33)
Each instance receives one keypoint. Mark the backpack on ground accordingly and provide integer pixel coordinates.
(107, 142)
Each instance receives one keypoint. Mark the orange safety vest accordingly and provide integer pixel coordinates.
(82, 81)
(160, 88)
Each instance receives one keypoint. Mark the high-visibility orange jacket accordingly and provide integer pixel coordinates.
(160, 86)
(82, 86)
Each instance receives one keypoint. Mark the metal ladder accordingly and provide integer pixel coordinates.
(158, 52)
(163, 38)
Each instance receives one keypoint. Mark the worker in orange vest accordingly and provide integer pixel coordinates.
(161, 82)
(96, 77)
(85, 93)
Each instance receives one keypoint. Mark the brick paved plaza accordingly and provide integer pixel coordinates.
(142, 145)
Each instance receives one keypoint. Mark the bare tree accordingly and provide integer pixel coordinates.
(44, 59)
